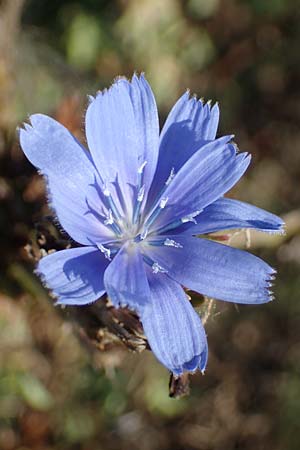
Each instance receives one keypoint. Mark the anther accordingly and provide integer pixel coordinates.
(171, 176)
(163, 202)
(190, 217)
(110, 219)
(171, 243)
(156, 268)
(141, 168)
(105, 251)
(106, 190)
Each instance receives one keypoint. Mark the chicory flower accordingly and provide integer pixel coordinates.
(136, 201)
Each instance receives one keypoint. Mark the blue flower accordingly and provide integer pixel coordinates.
(136, 202)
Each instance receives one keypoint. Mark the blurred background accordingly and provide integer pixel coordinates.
(56, 392)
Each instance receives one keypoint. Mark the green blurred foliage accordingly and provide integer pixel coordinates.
(55, 393)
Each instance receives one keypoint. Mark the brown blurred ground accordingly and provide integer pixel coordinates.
(55, 391)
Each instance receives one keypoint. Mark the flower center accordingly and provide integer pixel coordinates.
(134, 227)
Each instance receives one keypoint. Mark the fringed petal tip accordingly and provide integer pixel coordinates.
(37, 120)
(279, 228)
(52, 294)
(26, 126)
(121, 304)
(136, 77)
(23, 129)
(43, 278)
(101, 92)
(198, 362)
(269, 282)
(210, 104)
(90, 98)
(137, 309)
(117, 80)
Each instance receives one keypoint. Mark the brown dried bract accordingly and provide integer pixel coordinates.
(179, 386)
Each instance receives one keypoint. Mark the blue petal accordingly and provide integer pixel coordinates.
(226, 214)
(204, 178)
(173, 329)
(122, 133)
(69, 171)
(75, 275)
(189, 126)
(147, 124)
(214, 269)
(125, 279)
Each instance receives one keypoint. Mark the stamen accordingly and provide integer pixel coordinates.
(106, 220)
(141, 194)
(177, 223)
(115, 212)
(138, 204)
(156, 212)
(163, 202)
(171, 243)
(158, 242)
(171, 176)
(141, 168)
(106, 190)
(144, 234)
(190, 217)
(112, 216)
(114, 208)
(156, 268)
(109, 220)
(106, 251)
